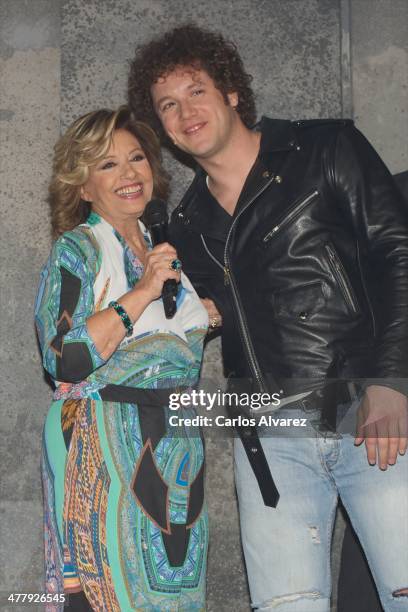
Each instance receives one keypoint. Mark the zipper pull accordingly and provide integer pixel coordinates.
(226, 276)
(332, 257)
(271, 233)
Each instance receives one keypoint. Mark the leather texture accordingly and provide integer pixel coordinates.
(316, 258)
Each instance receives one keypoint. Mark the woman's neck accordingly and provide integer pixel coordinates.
(130, 231)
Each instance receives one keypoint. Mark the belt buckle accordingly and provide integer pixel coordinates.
(306, 405)
(310, 403)
(324, 428)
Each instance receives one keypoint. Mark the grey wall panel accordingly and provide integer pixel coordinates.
(29, 124)
(380, 76)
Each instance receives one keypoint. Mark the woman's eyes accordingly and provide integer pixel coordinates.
(111, 164)
(107, 165)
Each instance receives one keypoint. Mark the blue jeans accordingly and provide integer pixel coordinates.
(287, 548)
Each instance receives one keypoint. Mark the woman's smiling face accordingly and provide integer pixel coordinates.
(121, 184)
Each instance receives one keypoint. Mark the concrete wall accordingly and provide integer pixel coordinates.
(380, 76)
(29, 124)
(297, 51)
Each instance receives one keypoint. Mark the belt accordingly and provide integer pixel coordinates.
(325, 400)
(152, 420)
(136, 395)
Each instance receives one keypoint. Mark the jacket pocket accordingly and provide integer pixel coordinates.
(341, 277)
(300, 302)
(290, 214)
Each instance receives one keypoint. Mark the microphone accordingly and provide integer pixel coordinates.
(155, 217)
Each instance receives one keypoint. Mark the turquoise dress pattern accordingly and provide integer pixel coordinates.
(125, 521)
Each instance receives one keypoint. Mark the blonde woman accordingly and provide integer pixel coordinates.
(125, 522)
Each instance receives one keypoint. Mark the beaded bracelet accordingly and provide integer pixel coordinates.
(124, 316)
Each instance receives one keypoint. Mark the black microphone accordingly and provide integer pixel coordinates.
(155, 218)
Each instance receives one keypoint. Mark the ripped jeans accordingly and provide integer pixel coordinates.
(287, 548)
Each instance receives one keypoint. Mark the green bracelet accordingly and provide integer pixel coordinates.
(124, 316)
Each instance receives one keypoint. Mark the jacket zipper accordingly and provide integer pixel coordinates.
(365, 291)
(340, 274)
(230, 281)
(215, 260)
(295, 210)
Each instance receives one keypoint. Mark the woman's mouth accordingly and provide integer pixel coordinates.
(130, 191)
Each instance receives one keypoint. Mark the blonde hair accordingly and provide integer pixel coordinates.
(84, 143)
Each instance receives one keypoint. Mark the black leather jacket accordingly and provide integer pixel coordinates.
(312, 279)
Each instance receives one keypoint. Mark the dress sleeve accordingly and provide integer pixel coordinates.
(64, 302)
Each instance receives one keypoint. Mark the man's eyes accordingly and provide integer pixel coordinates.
(166, 106)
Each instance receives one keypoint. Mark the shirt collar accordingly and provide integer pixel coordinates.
(95, 218)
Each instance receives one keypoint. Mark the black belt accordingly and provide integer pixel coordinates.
(152, 423)
(324, 400)
(135, 395)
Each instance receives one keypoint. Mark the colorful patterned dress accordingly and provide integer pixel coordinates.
(125, 518)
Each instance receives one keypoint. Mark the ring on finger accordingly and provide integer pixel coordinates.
(214, 322)
(175, 265)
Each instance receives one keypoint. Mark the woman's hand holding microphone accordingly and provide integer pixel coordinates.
(106, 328)
(160, 264)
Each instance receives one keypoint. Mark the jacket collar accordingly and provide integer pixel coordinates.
(277, 136)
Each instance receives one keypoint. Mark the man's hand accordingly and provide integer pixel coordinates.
(215, 318)
(382, 422)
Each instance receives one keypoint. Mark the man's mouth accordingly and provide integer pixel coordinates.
(130, 191)
(193, 129)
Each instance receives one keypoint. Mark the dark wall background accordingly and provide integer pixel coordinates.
(61, 58)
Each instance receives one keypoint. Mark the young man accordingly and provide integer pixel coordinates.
(296, 232)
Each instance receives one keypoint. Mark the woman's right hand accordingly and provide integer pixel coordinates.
(105, 327)
(157, 270)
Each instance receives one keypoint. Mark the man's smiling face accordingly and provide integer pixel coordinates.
(194, 113)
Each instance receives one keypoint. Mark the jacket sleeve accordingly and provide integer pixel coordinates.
(371, 201)
(65, 300)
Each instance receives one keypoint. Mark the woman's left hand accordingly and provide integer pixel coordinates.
(213, 314)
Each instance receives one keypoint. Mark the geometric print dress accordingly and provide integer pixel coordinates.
(125, 522)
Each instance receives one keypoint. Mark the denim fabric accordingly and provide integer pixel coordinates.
(287, 549)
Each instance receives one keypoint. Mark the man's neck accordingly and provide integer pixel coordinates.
(227, 171)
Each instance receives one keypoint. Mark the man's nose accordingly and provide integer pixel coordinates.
(187, 109)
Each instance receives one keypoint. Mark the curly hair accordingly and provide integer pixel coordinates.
(188, 45)
(86, 142)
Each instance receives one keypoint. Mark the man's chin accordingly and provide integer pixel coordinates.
(203, 152)
(195, 149)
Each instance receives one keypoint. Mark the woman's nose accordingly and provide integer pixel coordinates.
(129, 170)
